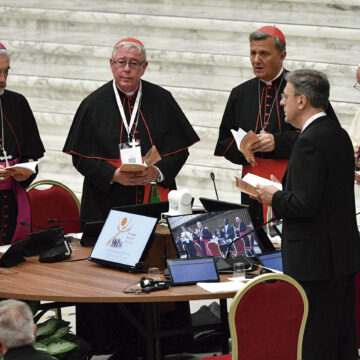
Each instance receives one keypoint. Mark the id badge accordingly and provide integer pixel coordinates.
(130, 152)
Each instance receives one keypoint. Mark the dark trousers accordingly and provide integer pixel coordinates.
(330, 331)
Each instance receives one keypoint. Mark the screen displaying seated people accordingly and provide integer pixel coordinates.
(214, 234)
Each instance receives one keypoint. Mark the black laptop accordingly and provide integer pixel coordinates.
(13, 254)
(124, 240)
(218, 205)
(151, 209)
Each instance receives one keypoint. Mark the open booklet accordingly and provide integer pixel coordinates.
(248, 183)
(22, 168)
(152, 157)
(244, 141)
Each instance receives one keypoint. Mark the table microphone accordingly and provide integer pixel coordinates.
(247, 233)
(212, 175)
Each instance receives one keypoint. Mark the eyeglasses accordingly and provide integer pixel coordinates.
(133, 64)
(285, 97)
(4, 72)
(357, 86)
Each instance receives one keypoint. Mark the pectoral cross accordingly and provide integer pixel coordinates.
(5, 157)
(133, 143)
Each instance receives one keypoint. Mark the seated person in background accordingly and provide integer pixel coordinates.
(17, 332)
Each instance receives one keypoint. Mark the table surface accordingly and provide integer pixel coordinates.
(85, 281)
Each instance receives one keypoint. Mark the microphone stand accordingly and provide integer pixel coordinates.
(247, 233)
(212, 175)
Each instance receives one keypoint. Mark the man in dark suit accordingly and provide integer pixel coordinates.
(321, 247)
(17, 332)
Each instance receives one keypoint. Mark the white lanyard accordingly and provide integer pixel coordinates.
(128, 127)
(3, 135)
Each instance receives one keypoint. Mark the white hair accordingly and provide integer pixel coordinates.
(16, 324)
(4, 52)
(128, 44)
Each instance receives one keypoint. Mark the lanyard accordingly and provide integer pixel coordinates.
(128, 127)
(3, 135)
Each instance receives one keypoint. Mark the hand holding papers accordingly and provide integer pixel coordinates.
(22, 171)
(244, 141)
(249, 182)
(152, 157)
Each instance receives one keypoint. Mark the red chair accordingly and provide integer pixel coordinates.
(198, 249)
(239, 246)
(267, 320)
(51, 199)
(214, 248)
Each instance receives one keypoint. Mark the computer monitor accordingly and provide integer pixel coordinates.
(215, 234)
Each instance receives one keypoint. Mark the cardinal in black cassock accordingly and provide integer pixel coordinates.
(19, 142)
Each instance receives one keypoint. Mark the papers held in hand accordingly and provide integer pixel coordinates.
(248, 183)
(152, 157)
(23, 167)
(244, 141)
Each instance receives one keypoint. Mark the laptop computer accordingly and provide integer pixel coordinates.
(217, 205)
(123, 240)
(91, 232)
(207, 235)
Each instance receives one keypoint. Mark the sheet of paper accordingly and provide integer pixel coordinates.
(254, 180)
(238, 136)
(223, 286)
(31, 165)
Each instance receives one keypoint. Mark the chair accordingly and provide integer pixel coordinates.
(239, 246)
(214, 248)
(51, 199)
(267, 320)
(198, 249)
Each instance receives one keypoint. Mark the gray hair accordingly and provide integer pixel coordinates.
(4, 52)
(313, 84)
(259, 35)
(140, 49)
(16, 324)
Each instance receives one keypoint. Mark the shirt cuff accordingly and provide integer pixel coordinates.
(160, 176)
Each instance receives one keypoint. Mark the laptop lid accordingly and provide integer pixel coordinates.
(216, 205)
(152, 209)
(208, 235)
(123, 240)
(91, 232)
(192, 271)
(272, 261)
(12, 254)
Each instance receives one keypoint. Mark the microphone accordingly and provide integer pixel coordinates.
(24, 223)
(51, 220)
(212, 175)
(247, 233)
(139, 266)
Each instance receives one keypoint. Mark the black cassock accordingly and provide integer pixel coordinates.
(97, 131)
(21, 140)
(93, 142)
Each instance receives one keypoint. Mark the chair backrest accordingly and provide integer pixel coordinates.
(214, 248)
(267, 319)
(239, 246)
(51, 199)
(198, 249)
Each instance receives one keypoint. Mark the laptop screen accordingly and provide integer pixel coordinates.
(123, 239)
(191, 271)
(212, 234)
(272, 261)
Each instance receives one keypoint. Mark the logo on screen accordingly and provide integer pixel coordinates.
(123, 227)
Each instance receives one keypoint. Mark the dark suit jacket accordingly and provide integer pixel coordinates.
(26, 353)
(320, 235)
(229, 232)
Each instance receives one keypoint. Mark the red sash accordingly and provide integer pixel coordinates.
(265, 168)
(163, 192)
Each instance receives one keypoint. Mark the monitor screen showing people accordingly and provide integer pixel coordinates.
(215, 234)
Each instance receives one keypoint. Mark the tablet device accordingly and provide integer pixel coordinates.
(216, 205)
(272, 261)
(152, 209)
(124, 240)
(12, 255)
(192, 271)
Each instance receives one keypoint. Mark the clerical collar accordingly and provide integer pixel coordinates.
(130, 93)
(276, 77)
(313, 118)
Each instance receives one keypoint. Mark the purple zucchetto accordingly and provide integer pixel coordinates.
(2, 47)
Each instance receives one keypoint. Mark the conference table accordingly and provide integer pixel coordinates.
(79, 280)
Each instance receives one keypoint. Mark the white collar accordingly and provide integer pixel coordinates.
(313, 118)
(276, 77)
